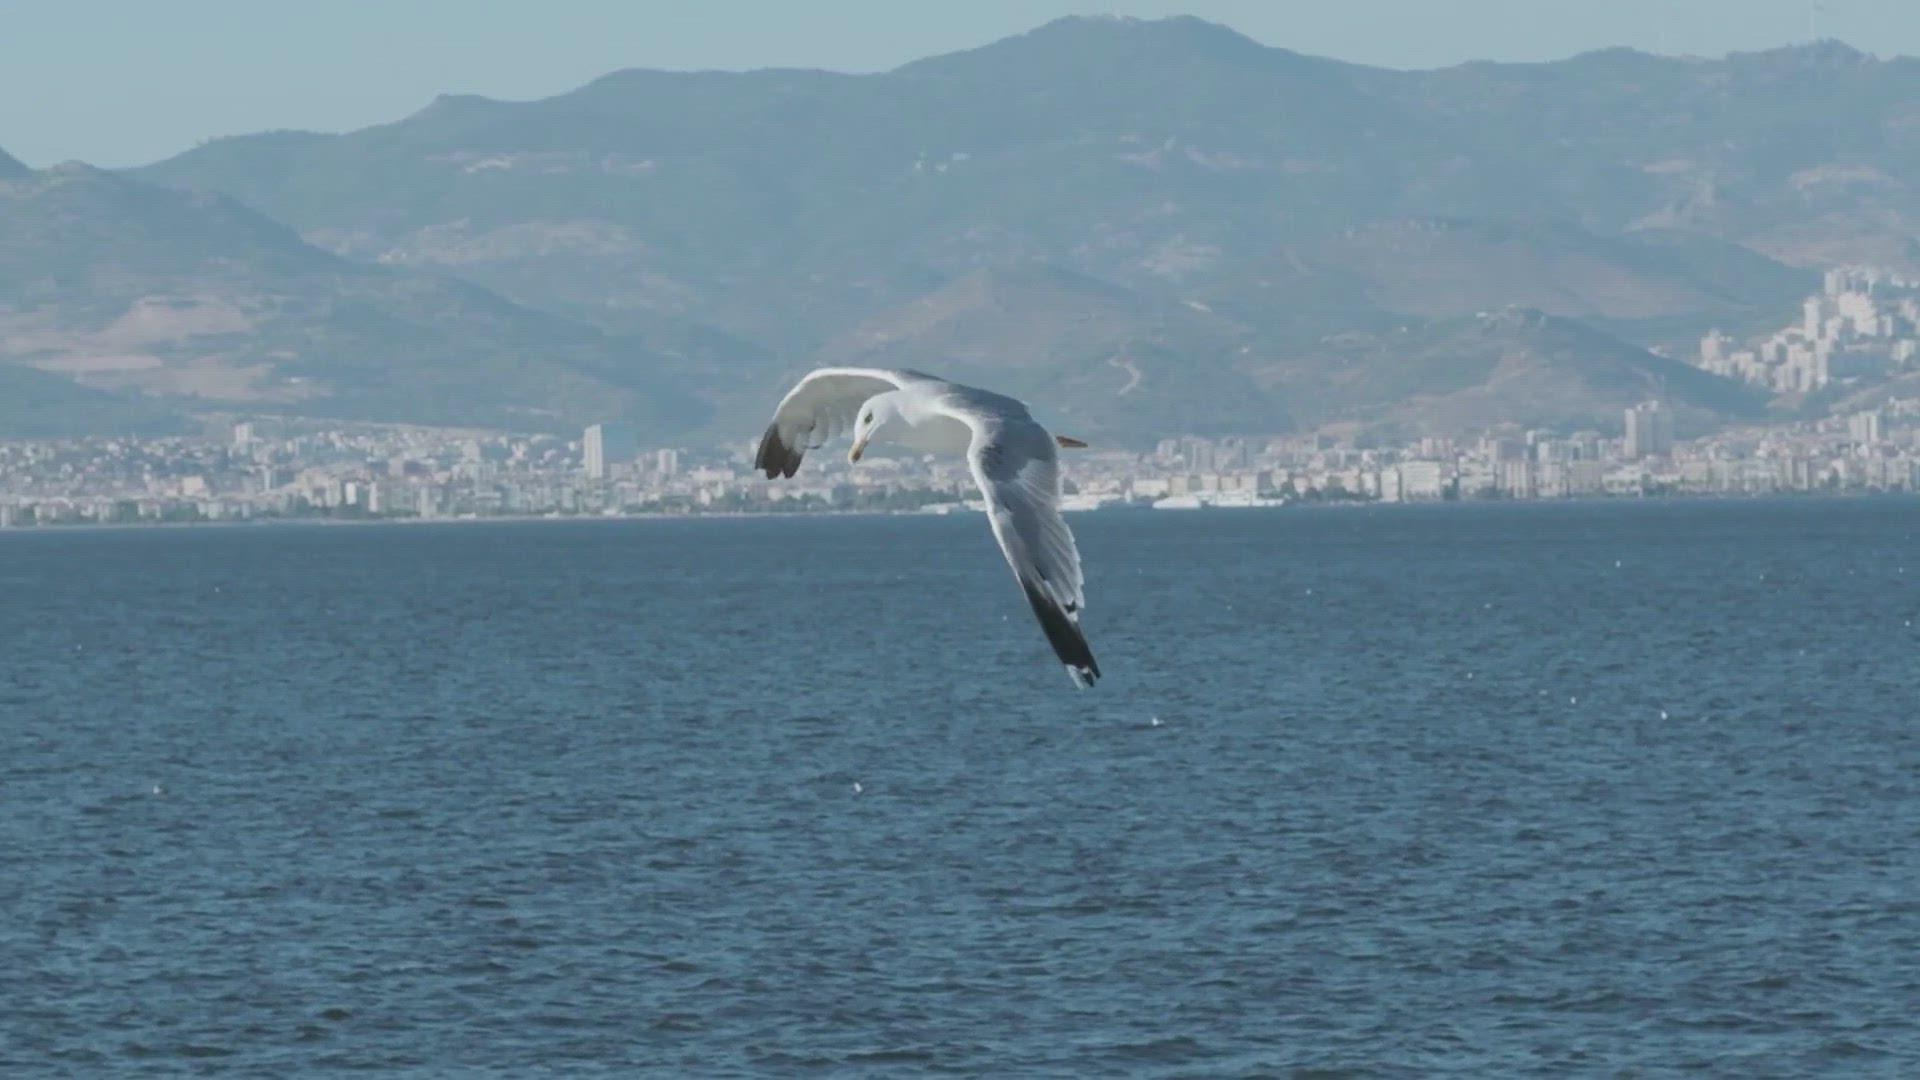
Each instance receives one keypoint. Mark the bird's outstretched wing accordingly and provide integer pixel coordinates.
(1015, 466)
(820, 406)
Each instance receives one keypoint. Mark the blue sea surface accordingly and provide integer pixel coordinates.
(1615, 789)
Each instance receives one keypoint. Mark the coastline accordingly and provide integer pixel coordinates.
(651, 516)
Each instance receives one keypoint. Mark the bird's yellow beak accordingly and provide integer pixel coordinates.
(859, 448)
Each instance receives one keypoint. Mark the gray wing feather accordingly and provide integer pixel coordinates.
(820, 406)
(1019, 473)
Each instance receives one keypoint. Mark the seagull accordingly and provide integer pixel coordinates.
(1012, 458)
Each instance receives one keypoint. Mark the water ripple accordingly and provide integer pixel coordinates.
(1427, 792)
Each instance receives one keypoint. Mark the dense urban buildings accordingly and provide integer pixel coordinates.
(1861, 323)
(270, 469)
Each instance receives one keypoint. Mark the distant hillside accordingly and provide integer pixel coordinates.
(38, 405)
(1093, 354)
(1439, 268)
(1109, 146)
(1516, 366)
(1241, 201)
(11, 167)
(1111, 365)
(193, 299)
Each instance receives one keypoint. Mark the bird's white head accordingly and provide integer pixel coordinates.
(872, 416)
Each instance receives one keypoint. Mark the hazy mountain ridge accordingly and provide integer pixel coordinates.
(1090, 352)
(1414, 266)
(1516, 366)
(128, 287)
(36, 404)
(1248, 204)
(1603, 139)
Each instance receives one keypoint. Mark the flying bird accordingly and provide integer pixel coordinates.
(1011, 456)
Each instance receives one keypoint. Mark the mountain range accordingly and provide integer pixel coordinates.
(1148, 227)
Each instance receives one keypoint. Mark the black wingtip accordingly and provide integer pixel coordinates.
(1063, 633)
(775, 457)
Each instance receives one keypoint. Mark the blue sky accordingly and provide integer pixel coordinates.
(124, 82)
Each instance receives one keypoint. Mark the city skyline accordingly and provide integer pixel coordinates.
(431, 474)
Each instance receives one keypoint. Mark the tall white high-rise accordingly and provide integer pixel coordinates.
(1649, 431)
(242, 436)
(596, 452)
(668, 462)
(1864, 427)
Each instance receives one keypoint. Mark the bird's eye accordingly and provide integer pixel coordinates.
(868, 420)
